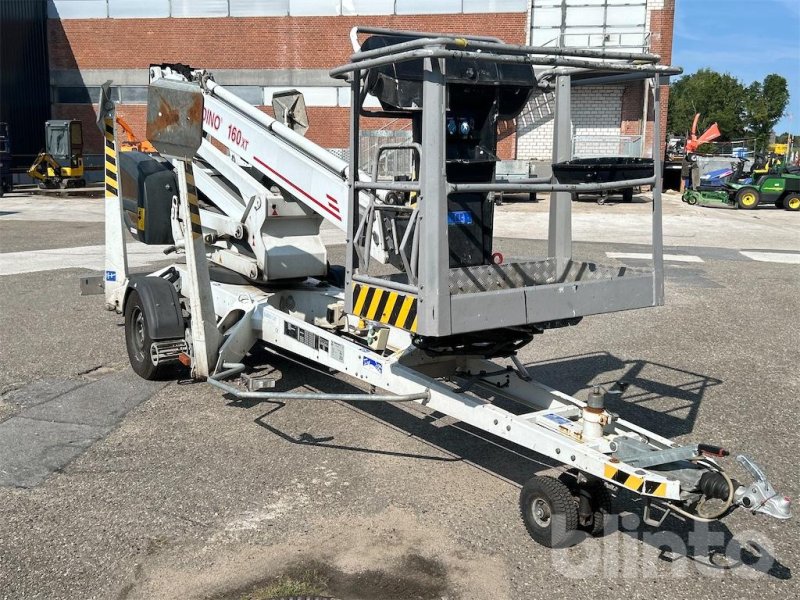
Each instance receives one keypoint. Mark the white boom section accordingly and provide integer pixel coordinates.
(297, 165)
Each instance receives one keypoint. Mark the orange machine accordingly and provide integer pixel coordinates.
(131, 142)
(694, 142)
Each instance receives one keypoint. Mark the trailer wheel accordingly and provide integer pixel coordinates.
(792, 202)
(549, 512)
(747, 198)
(627, 195)
(137, 339)
(691, 199)
(599, 501)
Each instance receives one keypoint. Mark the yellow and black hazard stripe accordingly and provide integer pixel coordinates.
(194, 209)
(384, 306)
(635, 483)
(112, 185)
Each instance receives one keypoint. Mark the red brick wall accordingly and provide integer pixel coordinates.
(661, 28)
(244, 43)
(632, 107)
(329, 125)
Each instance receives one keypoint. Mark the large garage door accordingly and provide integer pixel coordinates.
(590, 23)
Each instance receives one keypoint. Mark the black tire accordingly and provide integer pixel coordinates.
(627, 195)
(532, 197)
(792, 202)
(747, 198)
(599, 500)
(549, 512)
(691, 200)
(779, 203)
(138, 341)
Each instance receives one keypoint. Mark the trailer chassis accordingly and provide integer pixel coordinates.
(214, 324)
(599, 449)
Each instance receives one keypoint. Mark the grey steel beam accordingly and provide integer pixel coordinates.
(386, 283)
(559, 238)
(354, 214)
(544, 185)
(399, 186)
(433, 306)
(495, 46)
(441, 52)
(658, 234)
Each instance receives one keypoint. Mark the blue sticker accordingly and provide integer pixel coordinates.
(459, 217)
(371, 363)
(557, 419)
(111, 275)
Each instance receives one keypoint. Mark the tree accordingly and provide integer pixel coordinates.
(739, 111)
(716, 96)
(765, 105)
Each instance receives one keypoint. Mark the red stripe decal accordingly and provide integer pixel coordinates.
(333, 203)
(302, 191)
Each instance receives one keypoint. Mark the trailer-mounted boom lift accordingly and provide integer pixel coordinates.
(437, 329)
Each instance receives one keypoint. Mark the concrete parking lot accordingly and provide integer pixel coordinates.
(113, 487)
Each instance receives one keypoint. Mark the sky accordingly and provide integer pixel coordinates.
(747, 38)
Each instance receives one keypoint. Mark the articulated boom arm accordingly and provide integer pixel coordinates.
(295, 164)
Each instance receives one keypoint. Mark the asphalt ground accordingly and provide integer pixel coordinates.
(112, 487)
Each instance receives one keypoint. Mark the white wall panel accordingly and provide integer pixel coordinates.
(134, 94)
(547, 17)
(541, 37)
(626, 15)
(344, 95)
(138, 9)
(302, 8)
(199, 8)
(77, 9)
(427, 7)
(495, 6)
(314, 96)
(367, 7)
(585, 15)
(259, 8)
(344, 99)
(253, 94)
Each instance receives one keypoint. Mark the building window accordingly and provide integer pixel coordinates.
(590, 24)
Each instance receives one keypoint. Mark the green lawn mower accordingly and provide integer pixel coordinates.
(781, 189)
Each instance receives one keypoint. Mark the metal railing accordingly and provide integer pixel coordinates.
(390, 164)
(589, 146)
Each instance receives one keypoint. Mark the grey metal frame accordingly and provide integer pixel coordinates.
(569, 293)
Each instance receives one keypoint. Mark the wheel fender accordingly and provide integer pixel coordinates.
(161, 306)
